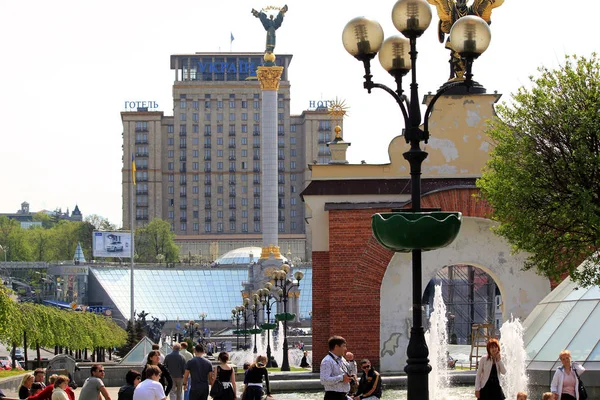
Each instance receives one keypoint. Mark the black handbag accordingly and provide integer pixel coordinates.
(216, 390)
(581, 388)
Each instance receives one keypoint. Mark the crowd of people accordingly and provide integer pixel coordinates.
(183, 376)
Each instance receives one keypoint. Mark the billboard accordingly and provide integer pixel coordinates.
(112, 244)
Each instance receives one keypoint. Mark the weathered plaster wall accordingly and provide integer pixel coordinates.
(476, 245)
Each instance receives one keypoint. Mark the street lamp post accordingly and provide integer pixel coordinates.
(203, 316)
(268, 300)
(192, 328)
(363, 39)
(236, 315)
(284, 286)
(255, 308)
(245, 310)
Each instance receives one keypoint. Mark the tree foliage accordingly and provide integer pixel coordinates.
(49, 326)
(543, 178)
(54, 240)
(154, 239)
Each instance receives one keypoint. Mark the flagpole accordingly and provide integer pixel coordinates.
(132, 214)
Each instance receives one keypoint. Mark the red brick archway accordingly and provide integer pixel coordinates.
(347, 278)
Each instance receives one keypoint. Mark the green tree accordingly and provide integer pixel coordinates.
(543, 177)
(100, 223)
(154, 239)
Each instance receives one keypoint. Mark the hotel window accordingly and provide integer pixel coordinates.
(292, 140)
(280, 116)
(183, 226)
(293, 201)
(219, 128)
(232, 129)
(171, 178)
(220, 189)
(219, 117)
(171, 190)
(244, 104)
(244, 203)
(244, 152)
(256, 104)
(219, 153)
(281, 226)
(195, 117)
(182, 116)
(182, 104)
(292, 213)
(280, 104)
(256, 202)
(232, 225)
(207, 129)
(182, 129)
(170, 153)
(244, 128)
(220, 165)
(293, 225)
(195, 153)
(196, 128)
(280, 128)
(170, 129)
(220, 204)
(232, 116)
(219, 213)
(195, 191)
(170, 141)
(207, 104)
(196, 226)
(171, 214)
(195, 141)
(244, 116)
(196, 105)
(231, 103)
(245, 212)
(293, 128)
(207, 117)
(293, 164)
(293, 152)
(257, 227)
(207, 227)
(244, 139)
(219, 104)
(196, 177)
(195, 166)
(256, 117)
(220, 141)
(219, 227)
(244, 165)
(244, 227)
(171, 166)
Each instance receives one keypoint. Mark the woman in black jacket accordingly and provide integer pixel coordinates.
(254, 379)
(165, 378)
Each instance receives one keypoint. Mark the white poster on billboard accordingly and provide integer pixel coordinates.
(112, 244)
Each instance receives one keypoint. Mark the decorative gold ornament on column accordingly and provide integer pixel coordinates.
(268, 250)
(269, 77)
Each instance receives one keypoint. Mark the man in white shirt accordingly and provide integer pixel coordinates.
(334, 374)
(151, 388)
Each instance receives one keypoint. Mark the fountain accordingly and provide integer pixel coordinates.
(514, 357)
(437, 341)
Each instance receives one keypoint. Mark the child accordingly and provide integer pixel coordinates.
(548, 396)
(521, 396)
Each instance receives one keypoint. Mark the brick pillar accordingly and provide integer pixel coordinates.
(320, 307)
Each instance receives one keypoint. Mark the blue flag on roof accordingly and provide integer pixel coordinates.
(232, 38)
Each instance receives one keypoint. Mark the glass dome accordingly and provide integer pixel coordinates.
(565, 319)
(241, 256)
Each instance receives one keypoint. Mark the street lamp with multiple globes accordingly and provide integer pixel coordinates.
(244, 311)
(255, 308)
(268, 300)
(284, 284)
(363, 38)
(203, 316)
(192, 328)
(236, 315)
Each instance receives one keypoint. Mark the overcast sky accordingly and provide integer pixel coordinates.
(68, 67)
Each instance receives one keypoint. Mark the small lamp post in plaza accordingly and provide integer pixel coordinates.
(284, 284)
(256, 308)
(192, 328)
(244, 311)
(236, 315)
(203, 316)
(414, 230)
(268, 300)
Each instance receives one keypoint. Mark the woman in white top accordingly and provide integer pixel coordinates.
(60, 384)
(151, 388)
(565, 382)
(487, 384)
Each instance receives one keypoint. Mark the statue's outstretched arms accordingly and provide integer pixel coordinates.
(284, 9)
(278, 20)
(255, 13)
(483, 8)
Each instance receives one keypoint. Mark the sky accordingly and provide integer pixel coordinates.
(69, 66)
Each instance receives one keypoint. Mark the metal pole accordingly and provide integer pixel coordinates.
(268, 305)
(131, 268)
(285, 364)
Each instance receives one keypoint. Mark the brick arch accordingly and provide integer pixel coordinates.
(347, 278)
